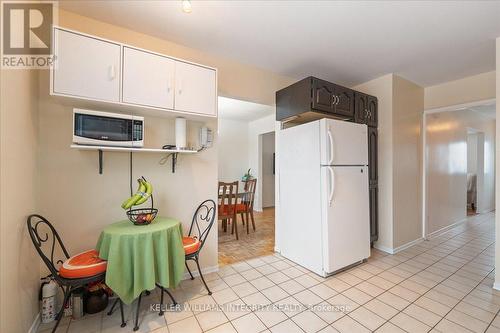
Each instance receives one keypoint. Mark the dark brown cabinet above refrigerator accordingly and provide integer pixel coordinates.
(311, 98)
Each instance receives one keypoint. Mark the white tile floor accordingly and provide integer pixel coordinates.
(442, 285)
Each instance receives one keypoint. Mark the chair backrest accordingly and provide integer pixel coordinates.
(202, 222)
(228, 194)
(50, 236)
(250, 186)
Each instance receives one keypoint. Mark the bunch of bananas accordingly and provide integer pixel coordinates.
(143, 193)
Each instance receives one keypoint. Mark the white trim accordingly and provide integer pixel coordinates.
(496, 285)
(441, 231)
(206, 270)
(451, 108)
(36, 324)
(399, 248)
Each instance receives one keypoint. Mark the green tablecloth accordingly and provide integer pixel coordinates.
(140, 256)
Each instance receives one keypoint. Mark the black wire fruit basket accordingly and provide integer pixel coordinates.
(143, 216)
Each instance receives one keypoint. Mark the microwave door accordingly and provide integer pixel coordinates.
(99, 130)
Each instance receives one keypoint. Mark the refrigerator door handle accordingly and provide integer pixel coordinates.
(332, 185)
(330, 139)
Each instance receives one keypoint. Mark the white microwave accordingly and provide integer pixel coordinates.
(107, 129)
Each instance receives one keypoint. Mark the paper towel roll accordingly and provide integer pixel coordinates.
(180, 133)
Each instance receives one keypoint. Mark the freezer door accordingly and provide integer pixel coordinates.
(345, 219)
(343, 143)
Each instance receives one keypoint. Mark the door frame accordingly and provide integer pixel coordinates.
(451, 108)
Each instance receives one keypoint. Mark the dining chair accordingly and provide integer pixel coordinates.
(202, 222)
(245, 207)
(228, 195)
(68, 276)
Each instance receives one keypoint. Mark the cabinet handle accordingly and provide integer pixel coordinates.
(112, 72)
(180, 87)
(338, 100)
(335, 100)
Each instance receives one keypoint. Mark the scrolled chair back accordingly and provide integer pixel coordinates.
(203, 219)
(46, 241)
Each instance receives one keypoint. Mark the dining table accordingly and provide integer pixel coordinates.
(141, 257)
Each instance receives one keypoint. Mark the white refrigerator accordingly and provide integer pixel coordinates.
(323, 195)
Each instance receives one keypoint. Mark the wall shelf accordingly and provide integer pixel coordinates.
(101, 149)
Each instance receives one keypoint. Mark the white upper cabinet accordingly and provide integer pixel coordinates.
(99, 70)
(86, 67)
(148, 79)
(195, 89)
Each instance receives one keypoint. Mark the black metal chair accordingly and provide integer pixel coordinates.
(34, 223)
(202, 222)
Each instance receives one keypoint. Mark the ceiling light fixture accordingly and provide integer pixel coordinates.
(186, 6)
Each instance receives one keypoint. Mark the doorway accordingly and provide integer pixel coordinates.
(475, 169)
(246, 150)
(458, 164)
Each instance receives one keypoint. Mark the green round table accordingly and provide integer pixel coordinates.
(141, 256)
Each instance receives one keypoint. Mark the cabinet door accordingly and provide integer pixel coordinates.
(86, 67)
(148, 79)
(345, 102)
(323, 93)
(195, 89)
(373, 213)
(360, 107)
(372, 115)
(373, 155)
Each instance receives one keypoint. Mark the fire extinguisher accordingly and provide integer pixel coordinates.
(48, 294)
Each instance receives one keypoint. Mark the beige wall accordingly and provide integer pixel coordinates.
(232, 149)
(408, 108)
(401, 105)
(446, 148)
(18, 167)
(469, 89)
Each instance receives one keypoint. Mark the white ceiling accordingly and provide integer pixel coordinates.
(234, 109)
(347, 42)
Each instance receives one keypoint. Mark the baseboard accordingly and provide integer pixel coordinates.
(441, 231)
(385, 249)
(206, 270)
(399, 248)
(36, 324)
(496, 285)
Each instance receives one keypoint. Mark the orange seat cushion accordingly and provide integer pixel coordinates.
(191, 244)
(240, 208)
(226, 210)
(83, 265)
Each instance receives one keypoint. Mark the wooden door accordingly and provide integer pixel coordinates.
(86, 67)
(360, 107)
(195, 89)
(373, 155)
(323, 93)
(372, 115)
(148, 79)
(344, 105)
(373, 213)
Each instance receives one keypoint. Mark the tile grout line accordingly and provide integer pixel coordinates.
(432, 248)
